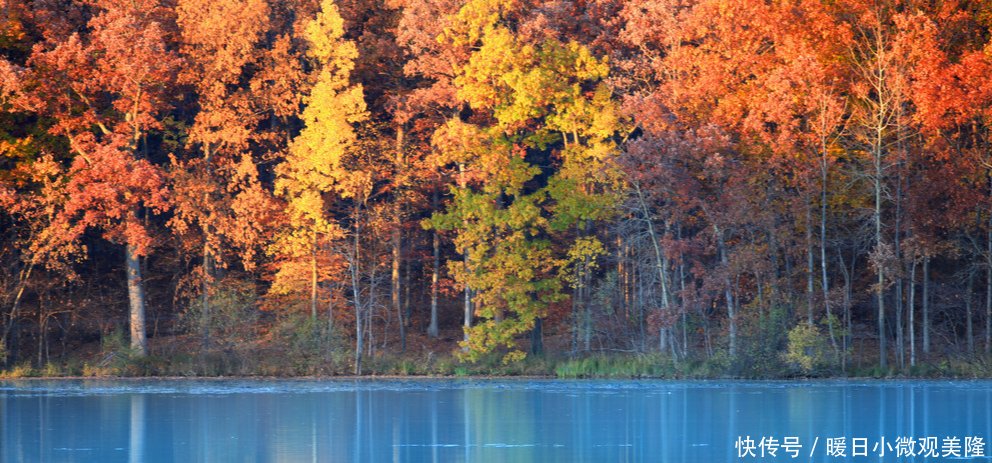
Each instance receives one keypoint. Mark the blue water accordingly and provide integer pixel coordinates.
(474, 420)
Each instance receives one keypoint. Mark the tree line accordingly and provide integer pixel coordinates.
(691, 177)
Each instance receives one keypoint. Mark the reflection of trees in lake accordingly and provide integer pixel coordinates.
(136, 444)
(580, 422)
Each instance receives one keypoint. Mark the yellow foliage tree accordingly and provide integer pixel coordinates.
(315, 171)
(538, 103)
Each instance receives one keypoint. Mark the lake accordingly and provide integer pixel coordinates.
(427, 420)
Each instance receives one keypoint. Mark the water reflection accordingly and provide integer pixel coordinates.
(450, 421)
(136, 445)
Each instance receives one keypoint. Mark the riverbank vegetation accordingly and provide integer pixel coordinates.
(595, 188)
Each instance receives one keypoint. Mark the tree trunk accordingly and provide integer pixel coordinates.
(136, 300)
(728, 293)
(537, 337)
(926, 305)
(912, 312)
(845, 339)
(969, 329)
(22, 282)
(660, 263)
(988, 288)
(825, 129)
(356, 292)
(897, 249)
(330, 309)
(313, 281)
(42, 319)
(575, 315)
(395, 283)
(467, 323)
(407, 298)
(619, 300)
(432, 329)
(824, 281)
(205, 299)
(880, 267)
(396, 244)
(682, 292)
(900, 341)
(207, 264)
(584, 284)
(810, 263)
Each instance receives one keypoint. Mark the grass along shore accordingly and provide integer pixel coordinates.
(216, 364)
(296, 347)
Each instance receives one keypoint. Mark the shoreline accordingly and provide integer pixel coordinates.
(487, 377)
(119, 363)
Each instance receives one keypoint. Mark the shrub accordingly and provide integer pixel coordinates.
(23, 370)
(445, 365)
(717, 366)
(808, 349)
(626, 366)
(310, 347)
(761, 340)
(51, 370)
(115, 355)
(232, 319)
(117, 358)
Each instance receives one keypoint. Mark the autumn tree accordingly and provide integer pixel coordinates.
(690, 75)
(880, 124)
(318, 168)
(534, 102)
(218, 192)
(800, 115)
(106, 87)
(430, 68)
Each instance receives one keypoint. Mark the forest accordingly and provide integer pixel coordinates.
(753, 188)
